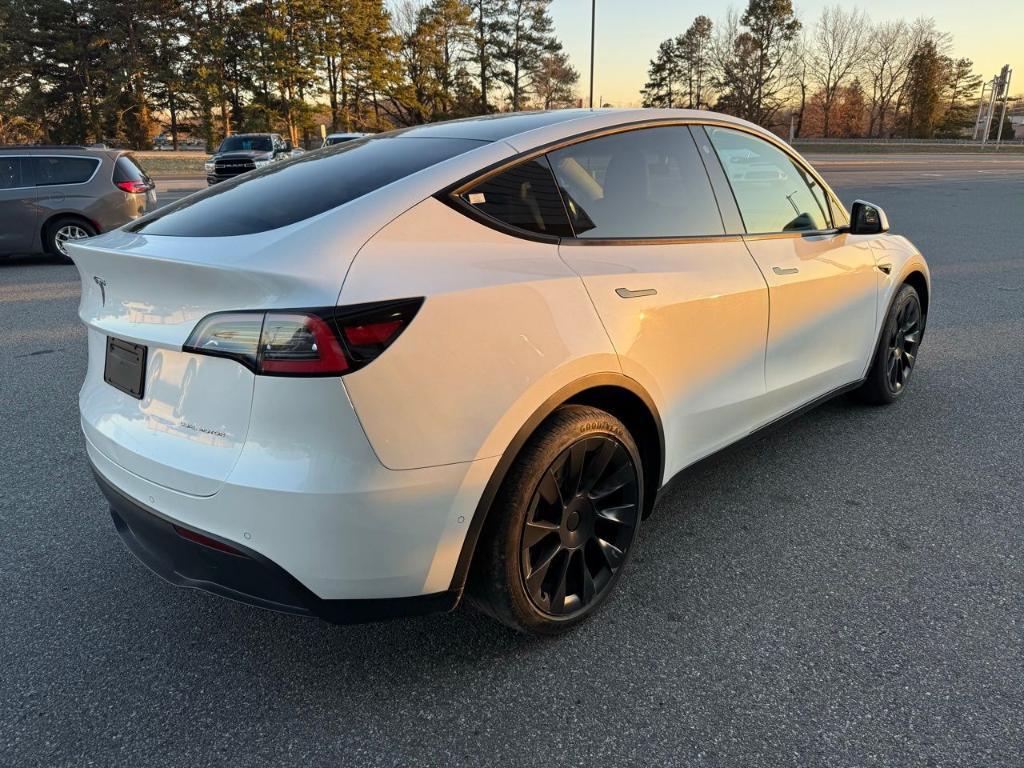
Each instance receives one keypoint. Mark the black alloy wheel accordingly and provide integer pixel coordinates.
(903, 343)
(579, 525)
(560, 531)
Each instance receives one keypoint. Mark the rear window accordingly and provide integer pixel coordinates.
(10, 173)
(300, 188)
(64, 170)
(127, 168)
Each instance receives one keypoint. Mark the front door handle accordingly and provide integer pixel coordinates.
(785, 270)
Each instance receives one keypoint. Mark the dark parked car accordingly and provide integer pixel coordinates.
(245, 152)
(52, 194)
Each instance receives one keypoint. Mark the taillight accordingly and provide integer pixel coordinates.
(304, 342)
(134, 187)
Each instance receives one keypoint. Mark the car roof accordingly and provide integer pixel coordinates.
(506, 125)
(62, 149)
(525, 130)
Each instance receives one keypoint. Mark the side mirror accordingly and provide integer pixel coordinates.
(288, 145)
(867, 219)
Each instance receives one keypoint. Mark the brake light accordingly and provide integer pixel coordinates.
(304, 342)
(299, 344)
(133, 187)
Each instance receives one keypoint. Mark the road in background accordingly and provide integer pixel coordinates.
(846, 591)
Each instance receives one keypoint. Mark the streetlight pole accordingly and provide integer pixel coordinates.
(593, 20)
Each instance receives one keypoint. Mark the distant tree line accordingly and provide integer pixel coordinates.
(839, 75)
(122, 70)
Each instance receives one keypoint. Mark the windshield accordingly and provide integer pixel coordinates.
(246, 144)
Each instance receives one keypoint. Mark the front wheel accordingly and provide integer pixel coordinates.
(563, 525)
(896, 355)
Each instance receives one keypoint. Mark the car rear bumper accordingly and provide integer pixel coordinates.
(242, 574)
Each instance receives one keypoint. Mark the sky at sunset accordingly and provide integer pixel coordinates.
(990, 32)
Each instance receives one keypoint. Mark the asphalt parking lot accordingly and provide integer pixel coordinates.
(846, 591)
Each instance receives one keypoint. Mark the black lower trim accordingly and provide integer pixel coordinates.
(247, 577)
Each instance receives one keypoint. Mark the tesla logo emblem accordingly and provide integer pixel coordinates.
(103, 288)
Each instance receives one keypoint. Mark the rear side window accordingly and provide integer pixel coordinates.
(128, 169)
(64, 170)
(774, 194)
(646, 183)
(290, 191)
(10, 173)
(525, 197)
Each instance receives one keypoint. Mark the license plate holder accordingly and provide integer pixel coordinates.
(125, 366)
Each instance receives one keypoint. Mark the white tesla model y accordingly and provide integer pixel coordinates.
(464, 357)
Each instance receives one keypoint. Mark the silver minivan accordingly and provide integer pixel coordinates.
(52, 194)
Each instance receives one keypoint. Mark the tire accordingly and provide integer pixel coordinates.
(562, 527)
(897, 350)
(60, 231)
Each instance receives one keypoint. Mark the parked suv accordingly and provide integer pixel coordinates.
(245, 152)
(470, 366)
(52, 194)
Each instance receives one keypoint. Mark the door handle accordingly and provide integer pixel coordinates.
(628, 294)
(785, 270)
(887, 268)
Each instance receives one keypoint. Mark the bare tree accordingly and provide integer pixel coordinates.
(837, 50)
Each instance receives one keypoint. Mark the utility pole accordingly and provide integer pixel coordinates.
(981, 106)
(593, 23)
(998, 89)
(1006, 99)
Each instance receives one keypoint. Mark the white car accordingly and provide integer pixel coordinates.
(466, 356)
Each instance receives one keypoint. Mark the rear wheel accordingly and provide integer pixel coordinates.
(563, 526)
(897, 350)
(59, 233)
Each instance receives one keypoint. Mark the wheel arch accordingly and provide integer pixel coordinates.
(617, 394)
(919, 283)
(53, 218)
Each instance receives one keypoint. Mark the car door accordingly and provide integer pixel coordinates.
(683, 302)
(19, 213)
(822, 281)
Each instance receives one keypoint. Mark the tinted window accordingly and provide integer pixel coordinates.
(127, 169)
(645, 183)
(10, 173)
(64, 170)
(774, 193)
(246, 144)
(304, 186)
(525, 197)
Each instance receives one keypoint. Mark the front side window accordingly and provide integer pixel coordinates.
(10, 173)
(773, 193)
(524, 197)
(64, 170)
(300, 188)
(646, 183)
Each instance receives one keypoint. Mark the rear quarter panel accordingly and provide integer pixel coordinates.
(505, 324)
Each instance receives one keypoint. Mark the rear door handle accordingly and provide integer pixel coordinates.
(628, 294)
(785, 270)
(887, 268)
